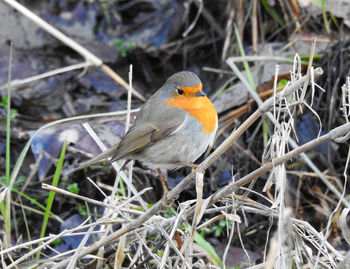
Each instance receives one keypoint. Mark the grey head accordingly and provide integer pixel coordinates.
(184, 79)
(178, 80)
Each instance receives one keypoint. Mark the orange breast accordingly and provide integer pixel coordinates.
(199, 107)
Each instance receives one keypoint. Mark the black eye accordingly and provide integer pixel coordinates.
(179, 91)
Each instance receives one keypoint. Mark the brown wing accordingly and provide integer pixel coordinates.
(143, 135)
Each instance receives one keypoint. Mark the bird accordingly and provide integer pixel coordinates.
(173, 128)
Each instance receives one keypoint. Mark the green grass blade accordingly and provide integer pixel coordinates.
(316, 3)
(245, 63)
(7, 216)
(251, 81)
(272, 13)
(122, 187)
(335, 21)
(8, 122)
(26, 225)
(208, 247)
(205, 245)
(324, 15)
(52, 194)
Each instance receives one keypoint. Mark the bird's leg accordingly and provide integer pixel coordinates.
(165, 189)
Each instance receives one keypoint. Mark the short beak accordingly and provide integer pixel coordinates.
(199, 93)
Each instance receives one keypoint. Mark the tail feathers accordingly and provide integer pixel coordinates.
(99, 158)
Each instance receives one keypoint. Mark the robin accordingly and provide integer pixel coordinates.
(172, 129)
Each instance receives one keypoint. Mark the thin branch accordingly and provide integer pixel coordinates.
(20, 82)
